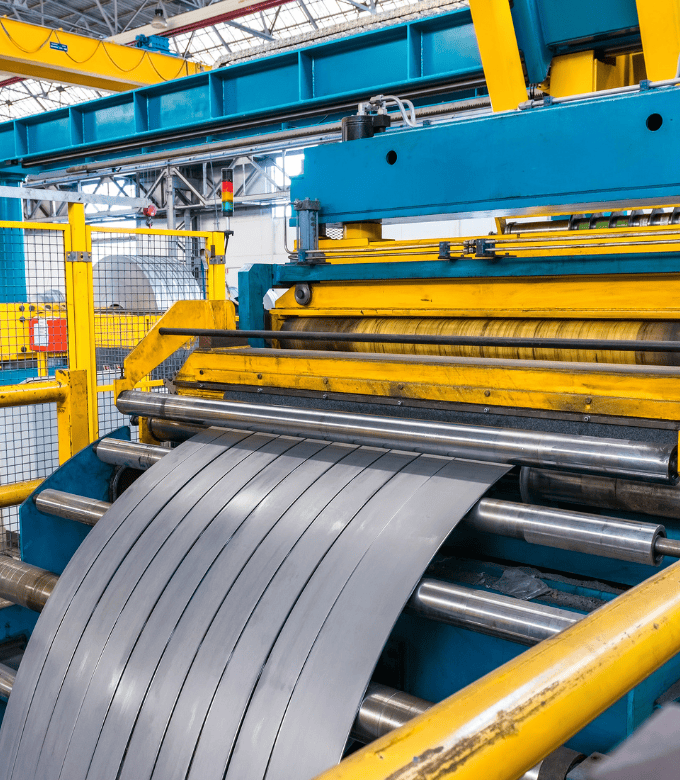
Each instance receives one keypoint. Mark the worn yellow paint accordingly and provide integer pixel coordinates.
(567, 297)
(17, 492)
(80, 309)
(500, 54)
(502, 725)
(660, 32)
(649, 392)
(153, 349)
(26, 50)
(73, 416)
(581, 72)
(32, 393)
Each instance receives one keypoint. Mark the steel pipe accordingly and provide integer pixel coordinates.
(7, 677)
(24, 584)
(385, 709)
(32, 393)
(612, 345)
(610, 537)
(538, 486)
(489, 613)
(587, 454)
(79, 508)
(129, 453)
(168, 430)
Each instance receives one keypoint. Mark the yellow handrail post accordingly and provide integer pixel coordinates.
(217, 278)
(73, 419)
(80, 309)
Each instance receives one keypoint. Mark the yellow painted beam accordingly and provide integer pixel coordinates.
(153, 349)
(73, 418)
(54, 55)
(652, 297)
(17, 492)
(660, 32)
(500, 54)
(648, 392)
(504, 724)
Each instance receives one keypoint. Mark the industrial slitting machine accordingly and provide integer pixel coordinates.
(424, 523)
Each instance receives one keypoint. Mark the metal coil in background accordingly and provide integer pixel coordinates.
(228, 610)
(493, 327)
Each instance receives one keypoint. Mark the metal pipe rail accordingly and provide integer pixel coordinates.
(79, 508)
(504, 724)
(32, 393)
(489, 613)
(612, 345)
(134, 455)
(587, 454)
(24, 584)
(17, 492)
(538, 486)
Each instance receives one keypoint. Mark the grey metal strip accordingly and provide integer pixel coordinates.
(178, 590)
(69, 583)
(368, 607)
(94, 586)
(230, 623)
(268, 498)
(133, 592)
(231, 703)
(282, 668)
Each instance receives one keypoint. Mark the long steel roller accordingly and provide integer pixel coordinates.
(194, 588)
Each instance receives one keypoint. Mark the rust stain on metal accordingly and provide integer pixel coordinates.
(438, 763)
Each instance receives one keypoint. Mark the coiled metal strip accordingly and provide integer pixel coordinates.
(227, 558)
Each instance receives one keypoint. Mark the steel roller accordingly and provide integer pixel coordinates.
(587, 454)
(610, 537)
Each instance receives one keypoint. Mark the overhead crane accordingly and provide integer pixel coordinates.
(32, 51)
(430, 454)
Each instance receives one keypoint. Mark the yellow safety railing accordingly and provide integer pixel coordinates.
(75, 389)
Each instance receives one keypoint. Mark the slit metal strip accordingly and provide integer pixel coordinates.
(117, 621)
(87, 555)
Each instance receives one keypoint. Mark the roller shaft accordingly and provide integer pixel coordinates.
(589, 490)
(549, 450)
(577, 531)
(7, 677)
(168, 430)
(61, 504)
(489, 613)
(26, 585)
(567, 530)
(127, 453)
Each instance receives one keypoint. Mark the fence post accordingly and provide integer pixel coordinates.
(80, 308)
(217, 278)
(73, 429)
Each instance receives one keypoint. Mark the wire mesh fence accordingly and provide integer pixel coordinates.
(136, 278)
(28, 450)
(33, 325)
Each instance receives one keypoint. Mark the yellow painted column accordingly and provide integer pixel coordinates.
(73, 420)
(498, 48)
(217, 277)
(80, 309)
(660, 32)
(502, 725)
